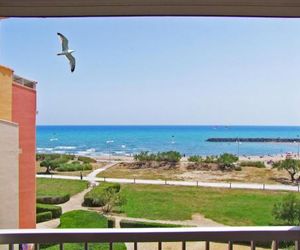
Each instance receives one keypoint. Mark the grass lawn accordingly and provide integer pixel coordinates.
(84, 219)
(229, 207)
(59, 187)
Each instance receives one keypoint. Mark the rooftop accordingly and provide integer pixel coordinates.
(25, 82)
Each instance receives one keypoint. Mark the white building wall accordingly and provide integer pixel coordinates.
(9, 175)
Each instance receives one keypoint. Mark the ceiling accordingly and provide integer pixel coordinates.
(64, 8)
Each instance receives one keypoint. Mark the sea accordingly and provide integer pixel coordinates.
(188, 140)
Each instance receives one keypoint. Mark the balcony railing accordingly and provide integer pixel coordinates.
(230, 235)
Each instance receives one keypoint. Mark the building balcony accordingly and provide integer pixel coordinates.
(250, 236)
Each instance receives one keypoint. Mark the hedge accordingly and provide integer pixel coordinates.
(86, 159)
(111, 222)
(53, 199)
(56, 211)
(44, 216)
(95, 198)
(140, 224)
(74, 166)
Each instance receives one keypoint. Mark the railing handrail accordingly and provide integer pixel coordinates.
(234, 234)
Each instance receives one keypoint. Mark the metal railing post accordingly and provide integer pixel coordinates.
(253, 245)
(275, 245)
(183, 245)
(297, 245)
(159, 245)
(230, 245)
(206, 245)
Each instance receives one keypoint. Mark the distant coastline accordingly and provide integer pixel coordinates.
(260, 140)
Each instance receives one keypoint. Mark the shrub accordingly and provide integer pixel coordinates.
(238, 168)
(44, 216)
(86, 159)
(53, 199)
(210, 159)
(288, 210)
(56, 211)
(111, 222)
(195, 158)
(255, 164)
(144, 156)
(226, 161)
(97, 197)
(169, 156)
(140, 224)
(74, 166)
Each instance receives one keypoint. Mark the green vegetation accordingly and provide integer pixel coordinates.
(84, 219)
(141, 224)
(290, 165)
(229, 207)
(287, 212)
(226, 161)
(74, 166)
(55, 210)
(64, 162)
(211, 159)
(100, 196)
(44, 216)
(170, 156)
(55, 191)
(195, 158)
(86, 159)
(255, 164)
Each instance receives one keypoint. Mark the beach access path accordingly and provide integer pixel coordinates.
(232, 185)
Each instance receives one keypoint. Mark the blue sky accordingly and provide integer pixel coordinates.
(165, 70)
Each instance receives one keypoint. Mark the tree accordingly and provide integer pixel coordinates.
(47, 163)
(292, 166)
(288, 210)
(226, 161)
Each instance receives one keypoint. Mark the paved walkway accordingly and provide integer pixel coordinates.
(75, 203)
(76, 200)
(233, 185)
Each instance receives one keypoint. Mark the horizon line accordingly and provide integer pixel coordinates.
(169, 125)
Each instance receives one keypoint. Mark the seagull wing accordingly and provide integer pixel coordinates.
(72, 61)
(64, 42)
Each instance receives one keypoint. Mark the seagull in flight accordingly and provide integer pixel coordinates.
(66, 51)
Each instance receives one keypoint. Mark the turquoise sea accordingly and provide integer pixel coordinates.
(189, 140)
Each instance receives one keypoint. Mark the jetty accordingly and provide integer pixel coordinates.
(262, 140)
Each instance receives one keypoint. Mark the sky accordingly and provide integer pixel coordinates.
(159, 70)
